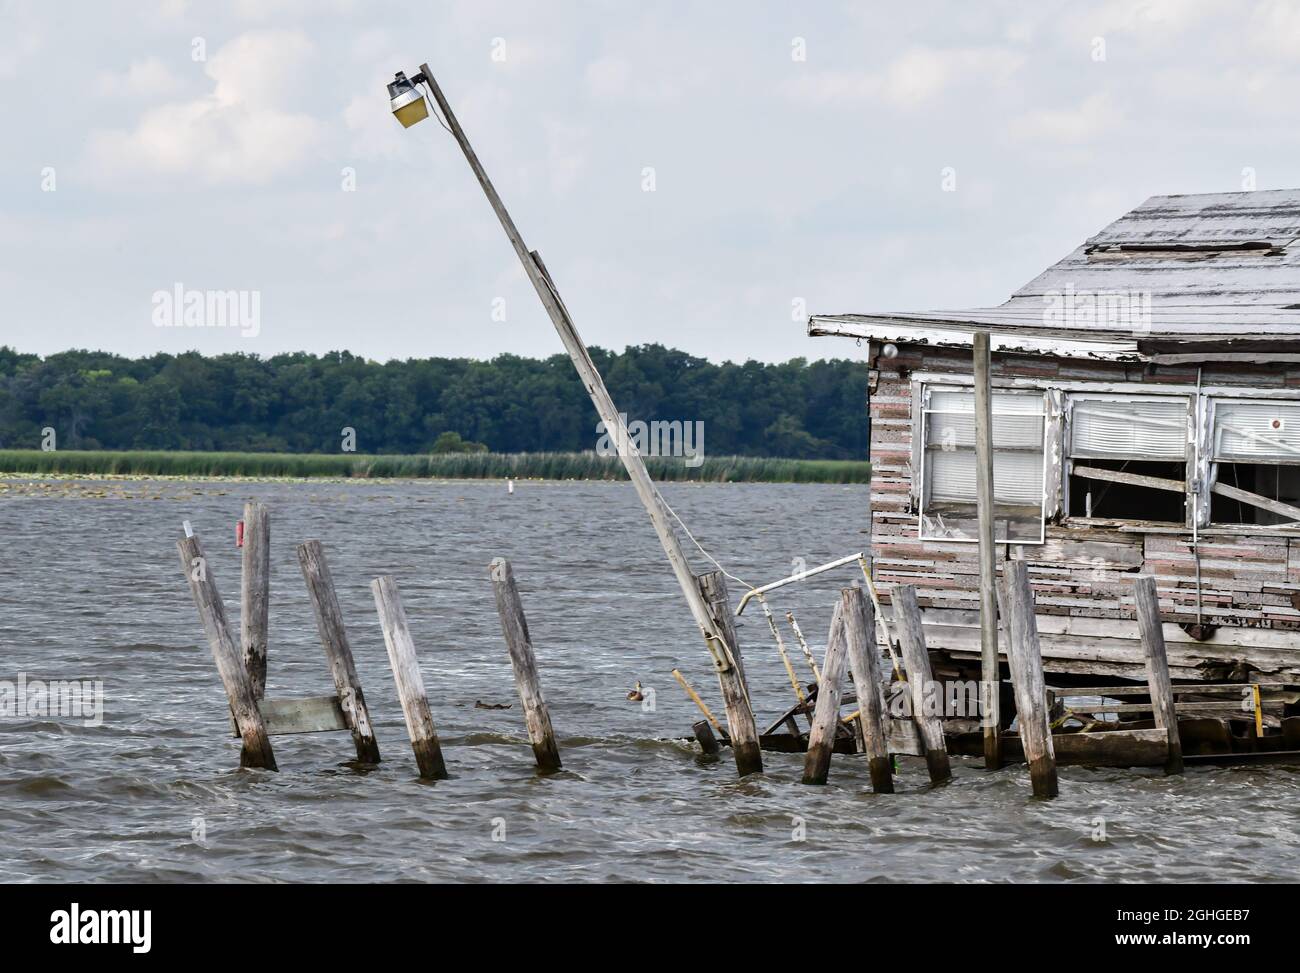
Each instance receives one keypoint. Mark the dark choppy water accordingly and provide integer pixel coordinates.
(91, 589)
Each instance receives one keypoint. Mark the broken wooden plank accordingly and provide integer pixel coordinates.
(1255, 500)
(1203, 707)
(1132, 479)
(302, 714)
(1179, 486)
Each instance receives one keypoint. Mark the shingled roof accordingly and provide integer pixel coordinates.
(1213, 269)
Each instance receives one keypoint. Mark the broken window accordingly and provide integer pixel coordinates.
(948, 492)
(1128, 457)
(1255, 450)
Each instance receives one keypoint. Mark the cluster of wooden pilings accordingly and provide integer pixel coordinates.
(242, 663)
(852, 648)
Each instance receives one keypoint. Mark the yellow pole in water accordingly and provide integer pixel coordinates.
(695, 697)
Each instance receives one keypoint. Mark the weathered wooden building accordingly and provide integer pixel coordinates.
(1146, 419)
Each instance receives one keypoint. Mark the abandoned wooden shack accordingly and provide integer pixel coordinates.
(1146, 420)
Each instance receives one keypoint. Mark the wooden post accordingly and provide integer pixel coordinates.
(826, 715)
(1026, 663)
(549, 295)
(864, 663)
(741, 728)
(518, 642)
(334, 639)
(920, 681)
(410, 684)
(255, 593)
(704, 734)
(256, 750)
(1162, 690)
(990, 672)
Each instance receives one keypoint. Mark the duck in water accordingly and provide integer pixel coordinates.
(636, 695)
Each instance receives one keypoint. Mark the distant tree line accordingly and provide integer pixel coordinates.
(300, 402)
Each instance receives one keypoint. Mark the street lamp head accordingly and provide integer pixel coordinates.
(408, 103)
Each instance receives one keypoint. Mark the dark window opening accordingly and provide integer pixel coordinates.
(1108, 500)
(1281, 483)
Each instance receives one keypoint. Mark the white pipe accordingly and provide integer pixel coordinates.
(848, 559)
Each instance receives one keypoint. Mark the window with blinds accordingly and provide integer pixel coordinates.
(1129, 427)
(948, 495)
(1255, 452)
(1256, 431)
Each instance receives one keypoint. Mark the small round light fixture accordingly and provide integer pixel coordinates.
(408, 103)
(890, 351)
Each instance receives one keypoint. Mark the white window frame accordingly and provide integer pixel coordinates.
(1202, 468)
(1212, 447)
(922, 433)
(1214, 459)
(1190, 446)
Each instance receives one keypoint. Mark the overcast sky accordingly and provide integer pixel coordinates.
(798, 154)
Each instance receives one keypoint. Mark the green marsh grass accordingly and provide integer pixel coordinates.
(520, 466)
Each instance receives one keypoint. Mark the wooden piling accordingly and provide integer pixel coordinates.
(864, 663)
(406, 673)
(1162, 690)
(990, 672)
(920, 681)
(742, 730)
(520, 646)
(256, 749)
(255, 593)
(1025, 660)
(704, 734)
(334, 639)
(826, 716)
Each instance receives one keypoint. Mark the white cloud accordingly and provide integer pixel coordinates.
(1093, 116)
(376, 134)
(1138, 16)
(566, 154)
(1275, 26)
(916, 76)
(614, 78)
(608, 77)
(248, 130)
(147, 77)
(19, 45)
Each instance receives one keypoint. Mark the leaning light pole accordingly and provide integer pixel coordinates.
(409, 107)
